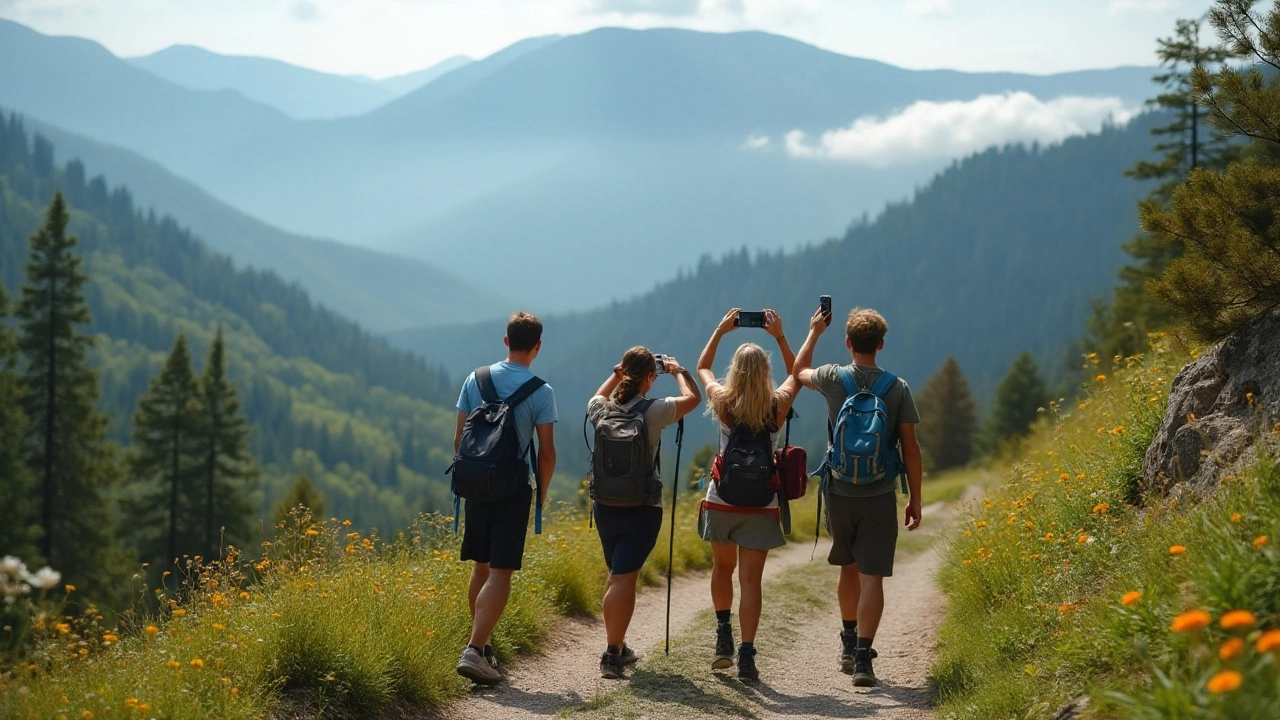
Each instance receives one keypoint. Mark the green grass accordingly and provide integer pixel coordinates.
(1037, 572)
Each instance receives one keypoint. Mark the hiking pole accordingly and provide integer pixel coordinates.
(671, 544)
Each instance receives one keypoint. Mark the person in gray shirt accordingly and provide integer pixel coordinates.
(862, 518)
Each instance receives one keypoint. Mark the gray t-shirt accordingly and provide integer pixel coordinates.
(899, 404)
(659, 415)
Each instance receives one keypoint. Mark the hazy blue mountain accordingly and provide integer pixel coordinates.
(408, 82)
(296, 91)
(1002, 252)
(382, 292)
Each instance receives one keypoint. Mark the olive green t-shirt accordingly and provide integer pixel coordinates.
(898, 403)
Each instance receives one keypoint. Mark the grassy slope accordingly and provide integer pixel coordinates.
(1037, 576)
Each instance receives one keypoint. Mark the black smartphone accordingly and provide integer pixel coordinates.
(750, 318)
(824, 302)
(660, 361)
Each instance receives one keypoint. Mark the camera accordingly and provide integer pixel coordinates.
(660, 361)
(750, 318)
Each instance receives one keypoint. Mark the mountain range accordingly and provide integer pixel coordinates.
(545, 157)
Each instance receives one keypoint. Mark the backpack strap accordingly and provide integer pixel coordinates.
(848, 380)
(484, 382)
(883, 383)
(530, 386)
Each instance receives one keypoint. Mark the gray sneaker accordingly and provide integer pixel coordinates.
(475, 667)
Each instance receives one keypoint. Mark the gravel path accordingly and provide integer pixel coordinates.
(800, 673)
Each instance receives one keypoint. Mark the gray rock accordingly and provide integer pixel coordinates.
(1219, 405)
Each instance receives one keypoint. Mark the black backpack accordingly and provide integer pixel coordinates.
(747, 477)
(623, 472)
(490, 465)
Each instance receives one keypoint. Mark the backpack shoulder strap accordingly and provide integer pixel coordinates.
(848, 380)
(642, 407)
(484, 381)
(530, 386)
(883, 383)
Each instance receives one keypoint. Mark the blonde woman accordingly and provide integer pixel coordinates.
(739, 517)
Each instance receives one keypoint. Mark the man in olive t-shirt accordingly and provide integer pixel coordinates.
(862, 519)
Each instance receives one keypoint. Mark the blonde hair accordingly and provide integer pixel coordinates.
(746, 393)
(865, 329)
(638, 363)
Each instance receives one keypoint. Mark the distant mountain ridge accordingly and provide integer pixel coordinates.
(301, 93)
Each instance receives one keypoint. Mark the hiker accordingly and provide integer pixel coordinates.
(499, 409)
(740, 516)
(859, 484)
(625, 486)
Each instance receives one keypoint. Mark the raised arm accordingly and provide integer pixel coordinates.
(802, 369)
(690, 397)
(611, 384)
(773, 326)
(707, 359)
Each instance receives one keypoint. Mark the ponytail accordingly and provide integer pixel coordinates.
(637, 364)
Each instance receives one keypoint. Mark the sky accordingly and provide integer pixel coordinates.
(381, 38)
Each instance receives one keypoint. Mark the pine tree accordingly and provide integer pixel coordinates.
(65, 442)
(301, 493)
(19, 529)
(1020, 396)
(167, 461)
(948, 418)
(228, 472)
(1121, 327)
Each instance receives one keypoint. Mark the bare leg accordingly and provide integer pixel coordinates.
(750, 572)
(870, 604)
(479, 575)
(490, 603)
(849, 591)
(724, 559)
(618, 607)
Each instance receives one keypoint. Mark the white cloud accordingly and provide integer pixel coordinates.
(756, 142)
(922, 8)
(929, 130)
(667, 8)
(1128, 7)
(304, 10)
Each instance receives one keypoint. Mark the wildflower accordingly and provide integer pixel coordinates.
(1269, 641)
(63, 628)
(87, 715)
(1101, 508)
(1117, 430)
(1190, 621)
(109, 637)
(179, 612)
(1225, 682)
(968, 533)
(219, 626)
(1260, 541)
(152, 630)
(1177, 550)
(1236, 517)
(1231, 649)
(173, 664)
(1083, 539)
(1048, 537)
(312, 532)
(244, 595)
(980, 523)
(235, 691)
(1238, 620)
(346, 523)
(70, 589)
(197, 663)
(131, 703)
(1131, 597)
(1101, 378)
(1064, 477)
(1065, 608)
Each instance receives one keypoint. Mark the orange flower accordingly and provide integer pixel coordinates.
(1225, 682)
(1236, 517)
(1082, 539)
(1101, 378)
(1131, 597)
(197, 663)
(1191, 621)
(71, 589)
(1238, 620)
(173, 664)
(1269, 641)
(1066, 608)
(179, 612)
(1260, 541)
(1101, 508)
(152, 630)
(1231, 649)
(1177, 550)
(244, 595)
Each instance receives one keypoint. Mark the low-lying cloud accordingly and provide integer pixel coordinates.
(928, 130)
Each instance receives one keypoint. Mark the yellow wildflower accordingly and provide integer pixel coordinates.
(197, 663)
(179, 612)
(1101, 508)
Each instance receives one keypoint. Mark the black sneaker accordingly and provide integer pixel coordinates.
(848, 644)
(629, 656)
(611, 666)
(747, 663)
(863, 675)
(724, 647)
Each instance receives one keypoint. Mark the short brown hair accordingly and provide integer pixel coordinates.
(524, 332)
(866, 330)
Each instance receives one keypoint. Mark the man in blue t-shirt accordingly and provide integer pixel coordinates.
(494, 533)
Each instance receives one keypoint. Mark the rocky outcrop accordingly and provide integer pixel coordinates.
(1219, 406)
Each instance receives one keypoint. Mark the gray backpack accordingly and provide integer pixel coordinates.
(623, 472)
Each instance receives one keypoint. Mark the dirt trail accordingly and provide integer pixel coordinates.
(801, 677)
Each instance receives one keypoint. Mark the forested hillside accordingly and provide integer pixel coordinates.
(365, 421)
(1001, 253)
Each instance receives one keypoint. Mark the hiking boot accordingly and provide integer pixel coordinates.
(724, 647)
(629, 656)
(747, 663)
(491, 657)
(848, 644)
(863, 675)
(611, 666)
(473, 666)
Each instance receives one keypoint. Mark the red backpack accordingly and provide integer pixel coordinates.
(791, 464)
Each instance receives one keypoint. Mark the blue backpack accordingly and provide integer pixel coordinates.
(864, 448)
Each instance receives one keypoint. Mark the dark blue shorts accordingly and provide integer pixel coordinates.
(494, 533)
(627, 535)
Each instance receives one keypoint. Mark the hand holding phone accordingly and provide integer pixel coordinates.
(824, 302)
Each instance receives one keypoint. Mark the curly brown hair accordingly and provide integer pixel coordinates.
(866, 329)
(638, 363)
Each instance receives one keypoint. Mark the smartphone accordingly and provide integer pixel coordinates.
(824, 302)
(750, 318)
(661, 363)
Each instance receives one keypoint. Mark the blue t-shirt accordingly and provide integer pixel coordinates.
(538, 409)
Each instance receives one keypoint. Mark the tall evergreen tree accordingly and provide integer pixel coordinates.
(228, 472)
(1186, 143)
(65, 442)
(19, 529)
(948, 418)
(303, 493)
(1019, 397)
(166, 432)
